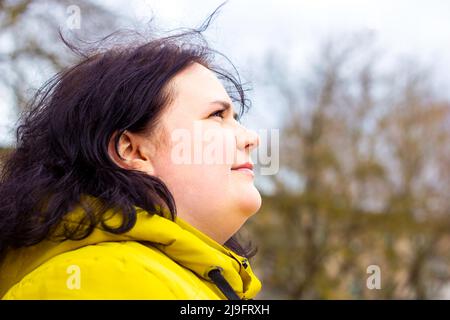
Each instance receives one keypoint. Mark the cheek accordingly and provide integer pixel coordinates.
(193, 182)
(198, 179)
(210, 182)
(201, 159)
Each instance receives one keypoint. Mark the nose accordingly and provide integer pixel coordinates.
(247, 139)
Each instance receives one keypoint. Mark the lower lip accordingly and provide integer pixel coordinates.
(245, 171)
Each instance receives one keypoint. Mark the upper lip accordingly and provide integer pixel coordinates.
(247, 165)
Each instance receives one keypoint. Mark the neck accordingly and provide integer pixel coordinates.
(216, 230)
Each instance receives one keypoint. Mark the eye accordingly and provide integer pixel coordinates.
(218, 113)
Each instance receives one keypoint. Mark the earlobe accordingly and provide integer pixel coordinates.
(141, 161)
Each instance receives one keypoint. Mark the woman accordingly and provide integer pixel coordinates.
(97, 200)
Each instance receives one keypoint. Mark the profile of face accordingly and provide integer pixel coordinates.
(200, 146)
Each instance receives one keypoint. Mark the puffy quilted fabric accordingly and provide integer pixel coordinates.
(157, 259)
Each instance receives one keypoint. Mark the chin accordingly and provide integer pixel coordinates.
(250, 202)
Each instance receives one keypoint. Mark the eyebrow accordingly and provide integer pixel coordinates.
(227, 106)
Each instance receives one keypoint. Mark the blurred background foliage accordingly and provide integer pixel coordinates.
(364, 159)
(370, 154)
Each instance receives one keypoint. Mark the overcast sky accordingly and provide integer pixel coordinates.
(246, 29)
(420, 27)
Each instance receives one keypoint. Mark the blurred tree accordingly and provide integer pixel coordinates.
(30, 46)
(364, 179)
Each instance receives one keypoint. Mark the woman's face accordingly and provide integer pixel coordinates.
(202, 145)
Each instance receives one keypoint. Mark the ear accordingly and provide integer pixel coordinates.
(133, 152)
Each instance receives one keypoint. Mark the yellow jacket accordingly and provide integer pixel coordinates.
(156, 259)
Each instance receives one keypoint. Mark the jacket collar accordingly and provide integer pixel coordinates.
(179, 240)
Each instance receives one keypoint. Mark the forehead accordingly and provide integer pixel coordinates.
(198, 85)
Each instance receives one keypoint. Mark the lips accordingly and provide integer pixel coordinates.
(246, 165)
(246, 168)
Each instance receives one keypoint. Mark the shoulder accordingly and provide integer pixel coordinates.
(110, 270)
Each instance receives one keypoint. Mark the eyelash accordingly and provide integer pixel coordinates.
(221, 111)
